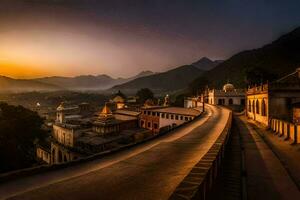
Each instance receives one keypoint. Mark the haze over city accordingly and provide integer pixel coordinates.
(121, 38)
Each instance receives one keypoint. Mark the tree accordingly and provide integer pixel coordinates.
(198, 86)
(19, 128)
(144, 94)
(179, 100)
(258, 76)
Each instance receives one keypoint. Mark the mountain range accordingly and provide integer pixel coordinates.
(255, 66)
(206, 64)
(170, 81)
(23, 85)
(84, 82)
(156, 81)
(269, 62)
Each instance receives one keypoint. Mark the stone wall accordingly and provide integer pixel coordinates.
(289, 131)
(199, 182)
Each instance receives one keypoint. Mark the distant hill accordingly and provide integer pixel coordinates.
(172, 80)
(84, 82)
(206, 64)
(89, 82)
(21, 85)
(266, 63)
(139, 75)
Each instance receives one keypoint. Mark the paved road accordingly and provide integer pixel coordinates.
(148, 171)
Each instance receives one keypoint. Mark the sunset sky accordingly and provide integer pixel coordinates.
(122, 38)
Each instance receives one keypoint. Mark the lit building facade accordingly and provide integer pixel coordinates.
(192, 102)
(76, 135)
(159, 119)
(227, 96)
(275, 100)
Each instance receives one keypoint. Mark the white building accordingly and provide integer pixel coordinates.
(192, 102)
(228, 96)
(158, 118)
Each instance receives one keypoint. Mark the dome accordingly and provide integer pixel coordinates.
(118, 99)
(228, 87)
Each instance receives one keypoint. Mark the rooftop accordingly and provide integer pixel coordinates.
(93, 138)
(178, 110)
(127, 112)
(124, 117)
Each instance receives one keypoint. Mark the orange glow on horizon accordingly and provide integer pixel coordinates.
(18, 71)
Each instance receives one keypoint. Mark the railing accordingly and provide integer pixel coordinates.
(198, 183)
(258, 89)
(289, 131)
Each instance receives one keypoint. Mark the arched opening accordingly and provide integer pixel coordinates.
(263, 108)
(257, 107)
(230, 102)
(253, 106)
(249, 106)
(243, 102)
(219, 101)
(60, 157)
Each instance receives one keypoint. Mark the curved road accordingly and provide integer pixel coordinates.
(148, 171)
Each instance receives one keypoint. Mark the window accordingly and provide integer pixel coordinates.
(149, 113)
(167, 116)
(253, 106)
(145, 112)
(257, 106)
(181, 117)
(162, 115)
(230, 102)
(157, 114)
(172, 116)
(176, 117)
(153, 113)
(186, 118)
(149, 124)
(219, 101)
(155, 125)
(243, 101)
(263, 108)
(142, 123)
(249, 106)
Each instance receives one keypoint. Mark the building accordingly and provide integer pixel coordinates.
(192, 102)
(227, 96)
(106, 123)
(43, 152)
(158, 119)
(276, 100)
(119, 100)
(75, 135)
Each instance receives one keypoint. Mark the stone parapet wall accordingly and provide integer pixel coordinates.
(200, 180)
